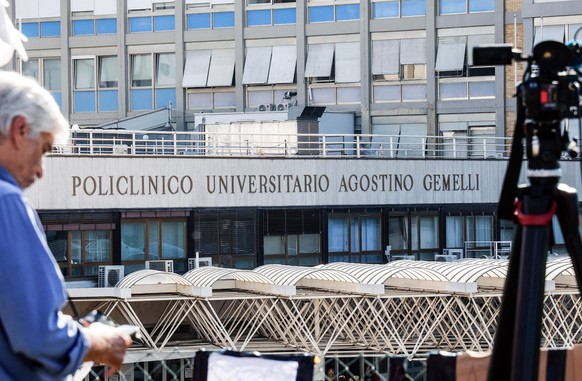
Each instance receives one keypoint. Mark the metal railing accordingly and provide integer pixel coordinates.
(487, 249)
(116, 142)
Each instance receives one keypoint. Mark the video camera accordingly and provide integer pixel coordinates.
(549, 93)
(551, 86)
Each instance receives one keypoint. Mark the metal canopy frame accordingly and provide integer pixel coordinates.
(327, 321)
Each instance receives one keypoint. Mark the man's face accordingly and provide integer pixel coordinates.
(30, 163)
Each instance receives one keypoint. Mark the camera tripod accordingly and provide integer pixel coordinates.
(518, 335)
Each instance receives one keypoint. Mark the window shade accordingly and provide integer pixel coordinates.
(105, 7)
(196, 68)
(256, 70)
(413, 51)
(221, 68)
(82, 5)
(451, 53)
(283, 62)
(319, 60)
(49, 8)
(385, 57)
(139, 4)
(347, 62)
(549, 32)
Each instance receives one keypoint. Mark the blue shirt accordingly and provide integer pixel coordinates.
(37, 342)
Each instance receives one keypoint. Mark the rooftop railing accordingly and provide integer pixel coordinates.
(121, 142)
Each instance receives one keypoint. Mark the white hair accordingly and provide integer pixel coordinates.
(23, 96)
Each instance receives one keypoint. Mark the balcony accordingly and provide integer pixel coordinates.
(283, 139)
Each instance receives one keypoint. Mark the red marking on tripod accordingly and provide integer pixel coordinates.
(544, 97)
(534, 219)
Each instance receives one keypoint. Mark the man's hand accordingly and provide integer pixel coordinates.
(107, 345)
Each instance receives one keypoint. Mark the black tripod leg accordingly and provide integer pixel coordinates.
(500, 365)
(517, 339)
(568, 217)
(530, 302)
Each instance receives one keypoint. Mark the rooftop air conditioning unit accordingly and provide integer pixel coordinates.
(120, 149)
(399, 257)
(163, 265)
(109, 276)
(267, 107)
(449, 255)
(202, 262)
(445, 258)
(282, 106)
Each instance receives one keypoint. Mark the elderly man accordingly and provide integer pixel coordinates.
(37, 341)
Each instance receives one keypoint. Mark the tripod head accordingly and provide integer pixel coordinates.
(548, 94)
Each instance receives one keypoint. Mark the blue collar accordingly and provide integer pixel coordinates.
(7, 176)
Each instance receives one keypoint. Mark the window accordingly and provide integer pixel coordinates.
(31, 12)
(209, 68)
(399, 62)
(469, 231)
(47, 72)
(448, 7)
(41, 29)
(91, 26)
(210, 100)
(468, 135)
(455, 58)
(153, 239)
(414, 234)
(292, 236)
(555, 29)
(50, 28)
(209, 76)
(506, 230)
(400, 137)
(227, 236)
(95, 84)
(207, 14)
(80, 252)
(458, 78)
(398, 234)
(398, 8)
(213, 20)
(339, 62)
(333, 72)
(108, 84)
(335, 12)
(355, 237)
(478, 235)
(153, 81)
(272, 98)
(270, 65)
(251, 2)
(293, 249)
(151, 16)
(93, 17)
(84, 99)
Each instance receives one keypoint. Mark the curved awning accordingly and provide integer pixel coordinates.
(561, 271)
(217, 278)
(467, 271)
(317, 277)
(157, 282)
(404, 274)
